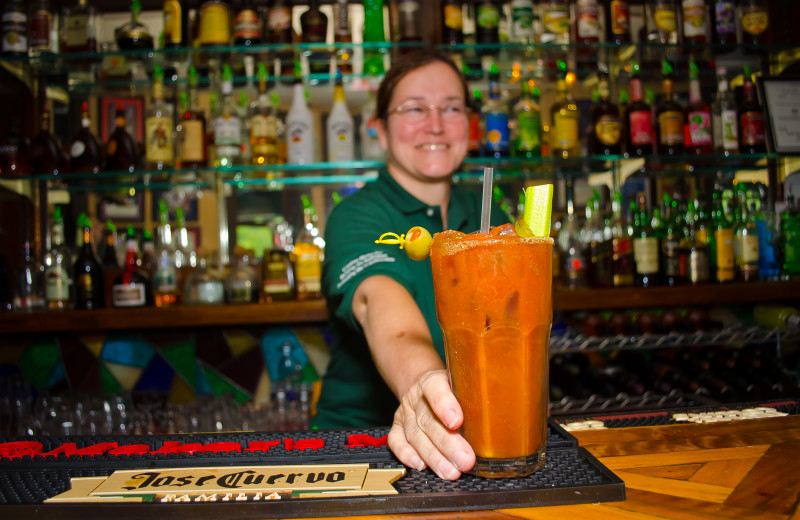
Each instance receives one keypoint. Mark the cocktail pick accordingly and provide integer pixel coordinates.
(417, 242)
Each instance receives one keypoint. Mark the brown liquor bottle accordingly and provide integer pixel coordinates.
(85, 152)
(618, 22)
(606, 125)
(751, 119)
(45, 149)
(314, 24)
(669, 117)
(121, 149)
(193, 149)
(280, 32)
(342, 34)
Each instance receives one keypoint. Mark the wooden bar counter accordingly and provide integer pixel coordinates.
(740, 469)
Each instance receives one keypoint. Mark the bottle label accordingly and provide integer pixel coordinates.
(755, 20)
(214, 25)
(497, 132)
(730, 132)
(752, 124)
(57, 283)
(522, 21)
(664, 18)
(670, 124)
(247, 26)
(192, 144)
(488, 17)
(309, 271)
(128, 295)
(228, 135)
(622, 248)
(566, 130)
(748, 245)
(699, 128)
(453, 17)
(669, 250)
(620, 17)
(299, 145)
(209, 292)
(588, 22)
(725, 19)
(694, 18)
(158, 139)
(475, 134)
(340, 141)
(641, 127)
(76, 30)
(608, 130)
(259, 126)
(277, 285)
(724, 243)
(173, 30)
(697, 266)
(645, 254)
(555, 21)
(601, 258)
(240, 291)
(529, 129)
(279, 19)
(166, 279)
(39, 29)
(84, 288)
(15, 32)
(77, 149)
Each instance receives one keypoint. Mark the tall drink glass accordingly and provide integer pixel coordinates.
(494, 304)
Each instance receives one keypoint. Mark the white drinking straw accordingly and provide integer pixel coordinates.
(486, 206)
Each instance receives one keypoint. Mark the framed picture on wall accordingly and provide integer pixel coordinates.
(781, 99)
(134, 116)
(118, 208)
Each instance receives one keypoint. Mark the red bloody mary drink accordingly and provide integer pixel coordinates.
(494, 304)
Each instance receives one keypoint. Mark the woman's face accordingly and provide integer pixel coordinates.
(426, 147)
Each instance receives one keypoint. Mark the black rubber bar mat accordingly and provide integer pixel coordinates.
(34, 469)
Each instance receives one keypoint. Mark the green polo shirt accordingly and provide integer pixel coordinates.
(353, 392)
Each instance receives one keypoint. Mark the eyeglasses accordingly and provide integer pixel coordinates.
(417, 113)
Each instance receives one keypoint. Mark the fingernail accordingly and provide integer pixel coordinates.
(420, 465)
(447, 470)
(460, 459)
(450, 419)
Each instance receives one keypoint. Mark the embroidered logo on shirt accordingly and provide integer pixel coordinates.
(357, 265)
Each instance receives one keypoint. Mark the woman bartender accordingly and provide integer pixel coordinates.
(387, 346)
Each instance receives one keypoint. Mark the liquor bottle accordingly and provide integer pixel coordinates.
(134, 35)
(166, 292)
(790, 240)
(670, 247)
(78, 28)
(146, 260)
(371, 149)
(745, 245)
(751, 119)
(89, 285)
(192, 147)
(308, 254)
(621, 245)
(374, 33)
(698, 117)
(720, 244)
(606, 135)
(724, 25)
(754, 21)
(638, 120)
(780, 317)
(58, 267)
(725, 118)
(241, 285)
(555, 21)
(45, 149)
(664, 20)
(185, 255)
(487, 21)
(14, 153)
(340, 128)
(109, 258)
(408, 21)
(695, 21)
(278, 275)
(175, 33)
(204, 286)
(564, 118)
(29, 282)
(573, 262)
(766, 226)
(587, 22)
(159, 147)
(227, 125)
(266, 129)
(131, 288)
(121, 149)
(214, 26)
(528, 130)
(522, 17)
(669, 117)
(85, 152)
(247, 24)
(475, 122)
(299, 128)
(495, 113)
(645, 247)
(314, 24)
(343, 35)
(598, 248)
(280, 32)
(618, 22)
(452, 22)
(40, 28)
(15, 28)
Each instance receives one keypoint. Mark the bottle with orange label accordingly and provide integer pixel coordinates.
(669, 117)
(606, 125)
(754, 21)
(618, 22)
(308, 255)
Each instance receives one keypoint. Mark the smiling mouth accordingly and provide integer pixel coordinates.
(433, 147)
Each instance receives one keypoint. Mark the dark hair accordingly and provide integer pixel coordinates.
(405, 64)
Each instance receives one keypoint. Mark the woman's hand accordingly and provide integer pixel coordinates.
(424, 429)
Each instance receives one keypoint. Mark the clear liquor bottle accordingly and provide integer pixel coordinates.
(58, 267)
(241, 283)
(166, 288)
(185, 254)
(227, 124)
(204, 286)
(29, 282)
(131, 288)
(158, 128)
(573, 264)
(724, 119)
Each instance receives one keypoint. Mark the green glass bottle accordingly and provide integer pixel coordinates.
(720, 243)
(790, 240)
(645, 248)
(670, 239)
(745, 244)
